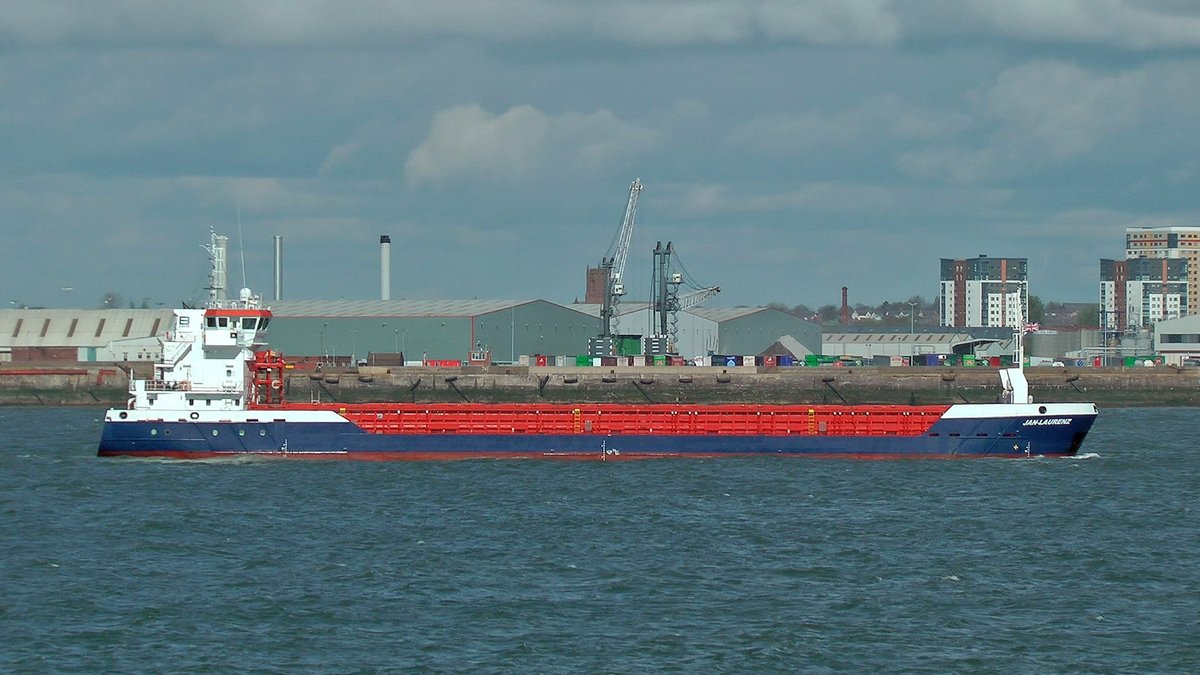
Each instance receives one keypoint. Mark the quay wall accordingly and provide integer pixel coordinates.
(1140, 386)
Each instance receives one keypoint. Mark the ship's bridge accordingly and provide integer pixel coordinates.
(232, 327)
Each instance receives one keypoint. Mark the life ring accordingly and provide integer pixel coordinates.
(276, 384)
(195, 416)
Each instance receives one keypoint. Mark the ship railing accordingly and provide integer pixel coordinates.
(168, 385)
(185, 385)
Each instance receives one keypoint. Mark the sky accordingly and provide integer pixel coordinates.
(788, 148)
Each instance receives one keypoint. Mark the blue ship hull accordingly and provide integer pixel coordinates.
(1011, 436)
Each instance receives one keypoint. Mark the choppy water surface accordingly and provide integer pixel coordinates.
(772, 564)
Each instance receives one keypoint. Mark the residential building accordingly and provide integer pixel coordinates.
(984, 292)
(1172, 243)
(1138, 292)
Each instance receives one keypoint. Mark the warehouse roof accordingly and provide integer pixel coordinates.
(719, 314)
(922, 338)
(395, 308)
(79, 327)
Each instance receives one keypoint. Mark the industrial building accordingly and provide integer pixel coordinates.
(868, 345)
(428, 330)
(389, 332)
(1178, 340)
(81, 335)
(984, 292)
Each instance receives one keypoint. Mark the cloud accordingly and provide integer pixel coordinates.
(707, 199)
(521, 143)
(1061, 108)
(831, 22)
(876, 118)
(391, 23)
(396, 24)
(1043, 113)
(1126, 24)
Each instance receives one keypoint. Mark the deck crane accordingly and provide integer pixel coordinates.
(613, 287)
(666, 302)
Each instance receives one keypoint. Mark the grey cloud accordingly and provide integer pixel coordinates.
(395, 24)
(1127, 24)
(521, 143)
(386, 23)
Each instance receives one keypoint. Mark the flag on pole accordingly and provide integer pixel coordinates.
(1031, 328)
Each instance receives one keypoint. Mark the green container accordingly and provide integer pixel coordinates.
(660, 359)
(968, 359)
(629, 346)
(583, 361)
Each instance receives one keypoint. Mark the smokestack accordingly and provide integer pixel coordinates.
(385, 267)
(845, 306)
(278, 267)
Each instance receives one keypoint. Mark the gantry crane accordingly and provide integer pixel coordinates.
(665, 300)
(614, 288)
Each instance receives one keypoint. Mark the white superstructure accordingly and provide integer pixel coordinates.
(205, 353)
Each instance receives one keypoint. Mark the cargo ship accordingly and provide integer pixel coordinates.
(219, 392)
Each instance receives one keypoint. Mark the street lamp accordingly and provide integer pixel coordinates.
(912, 317)
(324, 355)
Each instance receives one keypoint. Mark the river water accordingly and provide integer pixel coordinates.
(770, 564)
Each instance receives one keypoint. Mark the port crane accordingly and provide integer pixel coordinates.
(666, 302)
(615, 266)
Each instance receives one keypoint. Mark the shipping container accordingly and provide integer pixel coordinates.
(540, 360)
(785, 360)
(660, 359)
(583, 361)
(768, 360)
(629, 345)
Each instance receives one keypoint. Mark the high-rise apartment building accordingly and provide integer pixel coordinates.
(984, 291)
(1139, 292)
(1172, 243)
